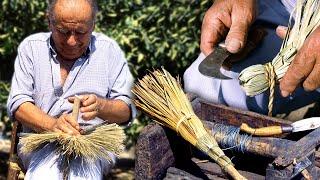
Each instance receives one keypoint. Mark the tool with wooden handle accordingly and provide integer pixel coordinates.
(75, 108)
(302, 125)
(75, 114)
(212, 64)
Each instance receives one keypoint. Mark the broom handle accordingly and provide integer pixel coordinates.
(75, 108)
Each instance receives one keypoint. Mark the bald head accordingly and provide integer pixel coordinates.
(71, 9)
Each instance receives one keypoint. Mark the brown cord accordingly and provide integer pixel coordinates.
(271, 77)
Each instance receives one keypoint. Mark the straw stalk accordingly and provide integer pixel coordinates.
(258, 78)
(161, 97)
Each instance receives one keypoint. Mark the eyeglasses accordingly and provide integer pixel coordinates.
(67, 32)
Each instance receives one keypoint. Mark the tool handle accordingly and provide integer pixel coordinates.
(265, 131)
(75, 108)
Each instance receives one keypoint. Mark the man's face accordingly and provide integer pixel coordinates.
(71, 28)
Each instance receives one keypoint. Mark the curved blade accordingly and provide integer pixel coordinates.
(211, 65)
(306, 124)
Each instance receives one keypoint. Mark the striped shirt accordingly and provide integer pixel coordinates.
(289, 4)
(102, 70)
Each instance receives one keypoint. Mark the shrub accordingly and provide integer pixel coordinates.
(151, 33)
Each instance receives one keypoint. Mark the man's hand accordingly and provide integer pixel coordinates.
(305, 68)
(231, 18)
(65, 123)
(90, 106)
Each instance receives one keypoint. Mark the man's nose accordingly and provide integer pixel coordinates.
(72, 41)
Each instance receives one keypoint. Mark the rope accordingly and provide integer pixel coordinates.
(185, 117)
(271, 77)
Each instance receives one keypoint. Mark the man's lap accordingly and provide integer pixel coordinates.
(46, 163)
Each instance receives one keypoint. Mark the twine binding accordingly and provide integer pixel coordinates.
(271, 77)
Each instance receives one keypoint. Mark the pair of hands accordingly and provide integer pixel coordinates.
(90, 106)
(231, 19)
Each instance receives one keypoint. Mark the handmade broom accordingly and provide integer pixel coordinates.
(161, 97)
(90, 146)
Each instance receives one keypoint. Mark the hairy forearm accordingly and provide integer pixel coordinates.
(31, 116)
(114, 111)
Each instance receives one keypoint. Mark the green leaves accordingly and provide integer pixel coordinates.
(155, 33)
(151, 33)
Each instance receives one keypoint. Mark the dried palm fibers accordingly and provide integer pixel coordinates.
(258, 78)
(91, 147)
(160, 96)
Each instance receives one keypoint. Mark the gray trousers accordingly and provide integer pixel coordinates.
(271, 14)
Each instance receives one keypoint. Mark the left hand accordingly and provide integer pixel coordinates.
(305, 67)
(90, 106)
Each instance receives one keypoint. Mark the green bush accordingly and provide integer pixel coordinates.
(151, 33)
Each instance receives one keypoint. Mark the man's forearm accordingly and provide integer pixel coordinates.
(115, 111)
(31, 116)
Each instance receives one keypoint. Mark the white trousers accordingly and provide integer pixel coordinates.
(46, 164)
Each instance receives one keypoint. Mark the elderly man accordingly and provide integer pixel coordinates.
(231, 20)
(51, 68)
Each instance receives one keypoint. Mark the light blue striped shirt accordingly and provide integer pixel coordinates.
(289, 4)
(102, 70)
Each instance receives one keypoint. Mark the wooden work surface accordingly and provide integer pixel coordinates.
(159, 148)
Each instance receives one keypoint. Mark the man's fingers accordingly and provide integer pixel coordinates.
(312, 82)
(73, 123)
(88, 100)
(92, 107)
(89, 115)
(214, 27)
(281, 31)
(71, 99)
(299, 69)
(242, 17)
(237, 35)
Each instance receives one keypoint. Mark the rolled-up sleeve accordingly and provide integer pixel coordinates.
(22, 85)
(122, 79)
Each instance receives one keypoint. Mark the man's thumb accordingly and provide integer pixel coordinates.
(236, 37)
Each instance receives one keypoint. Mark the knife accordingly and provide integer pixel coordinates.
(302, 125)
(212, 64)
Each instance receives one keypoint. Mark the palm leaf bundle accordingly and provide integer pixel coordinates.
(161, 97)
(91, 146)
(258, 78)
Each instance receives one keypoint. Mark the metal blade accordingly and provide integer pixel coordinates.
(306, 124)
(211, 65)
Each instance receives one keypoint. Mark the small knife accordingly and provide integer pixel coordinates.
(212, 64)
(302, 125)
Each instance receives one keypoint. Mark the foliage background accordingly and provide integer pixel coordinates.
(151, 33)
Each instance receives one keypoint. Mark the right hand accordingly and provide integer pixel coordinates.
(66, 124)
(230, 18)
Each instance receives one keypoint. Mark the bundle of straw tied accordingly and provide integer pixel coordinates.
(258, 78)
(90, 146)
(161, 97)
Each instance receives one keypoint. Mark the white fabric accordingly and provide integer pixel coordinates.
(289, 4)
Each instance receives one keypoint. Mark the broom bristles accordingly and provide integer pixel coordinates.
(161, 97)
(93, 146)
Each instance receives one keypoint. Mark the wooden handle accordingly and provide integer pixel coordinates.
(75, 108)
(265, 131)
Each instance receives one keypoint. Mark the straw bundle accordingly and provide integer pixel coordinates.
(161, 97)
(90, 147)
(258, 78)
